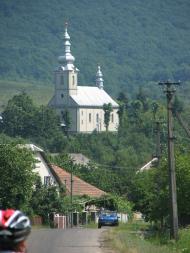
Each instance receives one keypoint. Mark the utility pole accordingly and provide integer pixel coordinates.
(170, 90)
(71, 196)
(158, 149)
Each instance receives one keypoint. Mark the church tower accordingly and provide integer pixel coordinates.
(66, 75)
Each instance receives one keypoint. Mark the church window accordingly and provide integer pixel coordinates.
(82, 113)
(82, 122)
(73, 80)
(90, 117)
(97, 117)
(112, 118)
(62, 80)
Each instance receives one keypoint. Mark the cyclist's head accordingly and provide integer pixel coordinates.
(14, 229)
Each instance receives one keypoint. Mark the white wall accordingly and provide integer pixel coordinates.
(42, 168)
(85, 125)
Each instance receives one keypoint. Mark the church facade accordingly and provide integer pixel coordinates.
(84, 104)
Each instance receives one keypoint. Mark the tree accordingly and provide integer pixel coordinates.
(47, 200)
(67, 121)
(46, 123)
(17, 177)
(18, 116)
(155, 107)
(149, 192)
(107, 111)
(142, 96)
(151, 195)
(41, 124)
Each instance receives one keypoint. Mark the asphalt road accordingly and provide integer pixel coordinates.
(75, 240)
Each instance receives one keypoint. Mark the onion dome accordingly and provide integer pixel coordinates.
(67, 58)
(99, 79)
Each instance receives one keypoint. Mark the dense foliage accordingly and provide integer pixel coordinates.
(17, 177)
(39, 124)
(137, 43)
(46, 200)
(150, 190)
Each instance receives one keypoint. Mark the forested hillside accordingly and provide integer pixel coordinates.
(136, 42)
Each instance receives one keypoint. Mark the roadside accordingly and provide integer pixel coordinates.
(134, 238)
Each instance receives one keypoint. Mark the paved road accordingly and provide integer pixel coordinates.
(76, 240)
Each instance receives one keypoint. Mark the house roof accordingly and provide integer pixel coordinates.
(92, 96)
(80, 187)
(148, 165)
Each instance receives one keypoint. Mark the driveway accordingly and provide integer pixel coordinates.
(75, 240)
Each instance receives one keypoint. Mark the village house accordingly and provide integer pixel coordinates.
(84, 104)
(52, 175)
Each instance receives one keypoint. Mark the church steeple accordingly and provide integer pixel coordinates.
(67, 59)
(99, 79)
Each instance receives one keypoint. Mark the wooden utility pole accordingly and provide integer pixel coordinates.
(170, 90)
(71, 196)
(158, 149)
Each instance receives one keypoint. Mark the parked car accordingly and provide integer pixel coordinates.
(108, 218)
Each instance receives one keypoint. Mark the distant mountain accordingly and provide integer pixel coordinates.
(137, 42)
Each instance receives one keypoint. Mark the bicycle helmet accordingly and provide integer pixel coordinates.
(14, 227)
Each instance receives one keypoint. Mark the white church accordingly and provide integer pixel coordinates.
(84, 103)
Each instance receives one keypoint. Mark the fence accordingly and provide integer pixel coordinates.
(36, 220)
(64, 221)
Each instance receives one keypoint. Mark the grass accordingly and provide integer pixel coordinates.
(91, 225)
(40, 93)
(183, 243)
(130, 239)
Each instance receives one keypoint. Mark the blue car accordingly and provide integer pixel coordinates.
(108, 218)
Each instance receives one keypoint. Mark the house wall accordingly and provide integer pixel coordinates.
(91, 119)
(42, 169)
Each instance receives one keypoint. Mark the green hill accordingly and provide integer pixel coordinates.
(39, 93)
(136, 42)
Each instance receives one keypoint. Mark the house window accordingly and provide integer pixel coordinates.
(90, 117)
(62, 95)
(82, 122)
(97, 117)
(112, 118)
(47, 180)
(82, 113)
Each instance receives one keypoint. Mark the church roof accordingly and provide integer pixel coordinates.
(92, 96)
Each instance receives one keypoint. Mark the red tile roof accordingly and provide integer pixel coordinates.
(80, 187)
